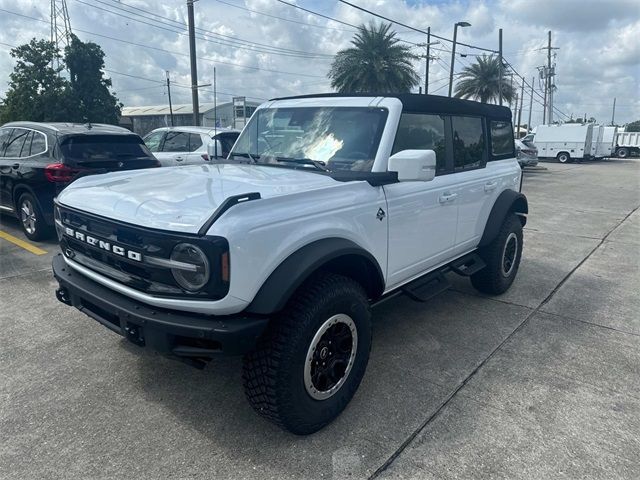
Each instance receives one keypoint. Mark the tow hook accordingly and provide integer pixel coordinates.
(63, 296)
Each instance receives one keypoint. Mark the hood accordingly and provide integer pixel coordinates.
(181, 198)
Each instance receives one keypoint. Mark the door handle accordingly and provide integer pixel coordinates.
(447, 197)
(490, 186)
(179, 159)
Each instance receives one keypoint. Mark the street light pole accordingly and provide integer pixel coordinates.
(453, 51)
(194, 68)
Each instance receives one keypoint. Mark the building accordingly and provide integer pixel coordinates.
(232, 114)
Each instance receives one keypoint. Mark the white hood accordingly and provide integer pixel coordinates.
(181, 198)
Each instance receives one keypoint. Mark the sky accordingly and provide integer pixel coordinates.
(265, 48)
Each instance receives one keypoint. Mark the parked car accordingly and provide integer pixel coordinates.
(527, 156)
(174, 146)
(37, 160)
(326, 205)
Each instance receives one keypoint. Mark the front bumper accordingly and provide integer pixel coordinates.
(173, 333)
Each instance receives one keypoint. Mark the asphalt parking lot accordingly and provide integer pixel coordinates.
(542, 382)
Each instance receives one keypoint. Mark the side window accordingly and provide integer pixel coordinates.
(153, 141)
(468, 143)
(38, 143)
(176, 142)
(14, 147)
(227, 141)
(195, 141)
(422, 132)
(5, 135)
(502, 138)
(26, 146)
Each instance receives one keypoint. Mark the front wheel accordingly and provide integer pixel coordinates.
(564, 157)
(502, 257)
(309, 363)
(622, 152)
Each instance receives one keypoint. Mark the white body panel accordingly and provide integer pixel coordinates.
(575, 139)
(628, 139)
(603, 146)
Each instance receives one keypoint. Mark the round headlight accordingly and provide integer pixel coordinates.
(192, 267)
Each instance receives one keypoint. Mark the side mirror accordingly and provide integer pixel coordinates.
(214, 149)
(414, 165)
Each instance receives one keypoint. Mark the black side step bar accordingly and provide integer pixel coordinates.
(426, 287)
(468, 265)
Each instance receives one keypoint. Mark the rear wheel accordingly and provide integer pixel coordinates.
(31, 218)
(563, 157)
(309, 363)
(622, 152)
(502, 257)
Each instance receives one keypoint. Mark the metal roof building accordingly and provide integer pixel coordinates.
(232, 114)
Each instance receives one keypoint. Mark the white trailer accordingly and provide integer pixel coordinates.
(603, 145)
(627, 144)
(565, 143)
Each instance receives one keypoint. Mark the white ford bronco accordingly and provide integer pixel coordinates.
(326, 206)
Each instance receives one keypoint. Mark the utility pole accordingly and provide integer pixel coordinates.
(194, 68)
(533, 82)
(613, 115)
(543, 72)
(550, 80)
(521, 101)
(426, 69)
(215, 114)
(500, 66)
(169, 95)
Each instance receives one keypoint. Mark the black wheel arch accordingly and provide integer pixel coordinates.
(336, 255)
(509, 201)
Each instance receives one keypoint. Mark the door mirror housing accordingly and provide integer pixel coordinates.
(414, 165)
(214, 149)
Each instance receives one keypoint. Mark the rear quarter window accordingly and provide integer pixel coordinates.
(502, 140)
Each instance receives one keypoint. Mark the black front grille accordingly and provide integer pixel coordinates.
(138, 274)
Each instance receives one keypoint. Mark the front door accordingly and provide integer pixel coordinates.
(422, 215)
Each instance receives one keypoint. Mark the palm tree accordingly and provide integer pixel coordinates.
(375, 64)
(480, 81)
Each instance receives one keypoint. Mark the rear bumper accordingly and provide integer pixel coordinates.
(172, 333)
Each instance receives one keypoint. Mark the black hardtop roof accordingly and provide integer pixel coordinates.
(61, 128)
(417, 103)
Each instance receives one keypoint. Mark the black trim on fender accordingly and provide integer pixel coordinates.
(508, 201)
(292, 272)
(226, 205)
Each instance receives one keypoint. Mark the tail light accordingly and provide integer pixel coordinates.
(58, 172)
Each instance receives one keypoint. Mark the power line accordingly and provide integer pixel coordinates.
(284, 19)
(412, 28)
(205, 35)
(212, 60)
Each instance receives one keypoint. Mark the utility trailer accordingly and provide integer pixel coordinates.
(565, 143)
(627, 144)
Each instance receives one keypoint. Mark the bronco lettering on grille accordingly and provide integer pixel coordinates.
(103, 245)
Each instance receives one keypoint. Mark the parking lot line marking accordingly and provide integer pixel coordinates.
(21, 243)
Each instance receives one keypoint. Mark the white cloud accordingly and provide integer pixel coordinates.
(599, 55)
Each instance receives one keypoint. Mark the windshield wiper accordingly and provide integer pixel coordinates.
(254, 159)
(320, 165)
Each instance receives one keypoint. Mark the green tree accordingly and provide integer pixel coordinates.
(633, 126)
(94, 101)
(36, 90)
(480, 81)
(376, 63)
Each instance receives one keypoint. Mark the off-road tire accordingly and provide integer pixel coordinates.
(273, 373)
(40, 229)
(492, 278)
(564, 157)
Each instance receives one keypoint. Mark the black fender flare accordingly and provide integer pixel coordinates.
(337, 254)
(507, 202)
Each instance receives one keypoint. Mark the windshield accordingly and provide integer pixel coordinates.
(326, 138)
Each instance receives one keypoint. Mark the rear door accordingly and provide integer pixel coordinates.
(175, 148)
(197, 147)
